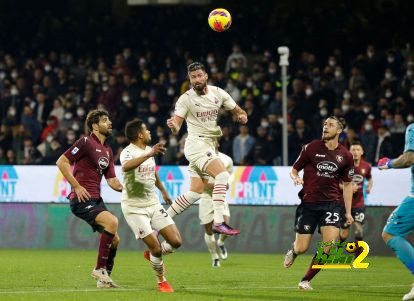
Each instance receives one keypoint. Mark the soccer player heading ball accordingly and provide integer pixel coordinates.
(326, 163)
(200, 106)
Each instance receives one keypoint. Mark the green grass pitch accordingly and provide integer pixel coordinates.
(65, 275)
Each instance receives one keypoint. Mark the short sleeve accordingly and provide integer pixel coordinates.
(409, 139)
(77, 150)
(228, 101)
(181, 107)
(348, 170)
(110, 171)
(125, 156)
(303, 158)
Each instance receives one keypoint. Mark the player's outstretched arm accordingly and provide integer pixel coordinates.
(240, 114)
(157, 149)
(63, 164)
(403, 161)
(175, 123)
(161, 187)
(294, 175)
(115, 184)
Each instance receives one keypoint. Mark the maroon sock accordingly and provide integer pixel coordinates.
(358, 250)
(104, 247)
(111, 259)
(312, 272)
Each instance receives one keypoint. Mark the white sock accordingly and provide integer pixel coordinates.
(219, 196)
(166, 248)
(211, 245)
(221, 239)
(182, 202)
(157, 265)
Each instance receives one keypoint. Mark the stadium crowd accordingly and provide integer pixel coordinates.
(44, 100)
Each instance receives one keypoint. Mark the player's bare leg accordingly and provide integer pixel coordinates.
(329, 233)
(343, 234)
(172, 239)
(218, 171)
(185, 200)
(109, 223)
(211, 245)
(155, 258)
(299, 246)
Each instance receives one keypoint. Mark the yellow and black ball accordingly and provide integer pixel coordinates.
(351, 247)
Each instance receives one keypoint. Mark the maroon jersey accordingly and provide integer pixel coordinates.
(91, 160)
(361, 172)
(323, 170)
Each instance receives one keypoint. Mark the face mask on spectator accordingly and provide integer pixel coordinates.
(75, 127)
(152, 120)
(368, 127)
(272, 70)
(48, 68)
(388, 94)
(332, 63)
(390, 59)
(308, 92)
(125, 98)
(173, 141)
(264, 124)
(230, 86)
(323, 112)
(338, 74)
(280, 120)
(388, 122)
(80, 112)
(233, 65)
(210, 60)
(347, 95)
(14, 74)
(412, 93)
(214, 70)
(410, 118)
(160, 133)
(49, 138)
(14, 91)
(2, 75)
(370, 54)
(388, 75)
(409, 73)
(12, 112)
(68, 115)
(249, 84)
(170, 91)
(366, 110)
(345, 108)
(265, 97)
(70, 136)
(361, 95)
(105, 88)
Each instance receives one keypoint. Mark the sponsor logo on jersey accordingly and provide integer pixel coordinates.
(327, 167)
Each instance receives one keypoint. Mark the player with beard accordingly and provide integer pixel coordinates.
(326, 163)
(92, 158)
(199, 107)
(140, 203)
(362, 173)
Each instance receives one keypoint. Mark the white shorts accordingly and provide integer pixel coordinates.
(144, 220)
(206, 211)
(199, 152)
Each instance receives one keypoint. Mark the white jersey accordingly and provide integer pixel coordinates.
(201, 111)
(228, 164)
(139, 183)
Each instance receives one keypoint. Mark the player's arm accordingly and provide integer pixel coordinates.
(347, 193)
(403, 161)
(161, 187)
(175, 123)
(240, 114)
(294, 175)
(63, 164)
(299, 164)
(131, 164)
(115, 184)
(370, 183)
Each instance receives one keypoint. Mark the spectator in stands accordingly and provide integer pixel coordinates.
(242, 144)
(383, 143)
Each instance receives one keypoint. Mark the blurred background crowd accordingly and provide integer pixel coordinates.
(64, 64)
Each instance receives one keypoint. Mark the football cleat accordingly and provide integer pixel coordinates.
(222, 252)
(305, 285)
(164, 287)
(223, 228)
(102, 275)
(101, 284)
(410, 295)
(215, 263)
(289, 258)
(147, 255)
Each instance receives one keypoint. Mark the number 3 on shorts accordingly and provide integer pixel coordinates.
(332, 218)
(163, 212)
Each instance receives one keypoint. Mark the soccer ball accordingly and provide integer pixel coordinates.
(351, 247)
(219, 19)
